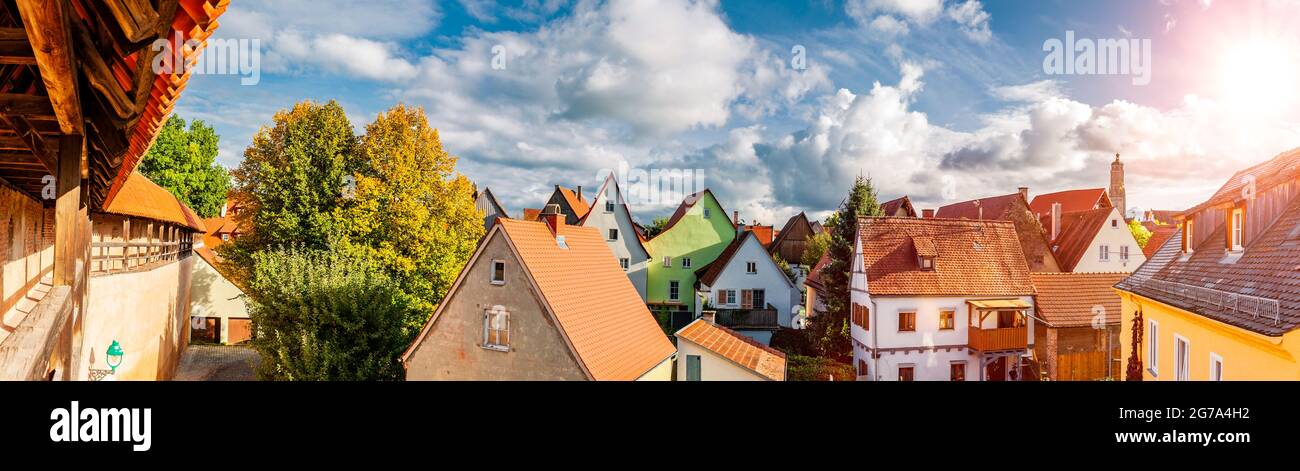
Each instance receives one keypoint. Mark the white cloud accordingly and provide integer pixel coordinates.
(972, 20)
(917, 11)
(888, 25)
(897, 17)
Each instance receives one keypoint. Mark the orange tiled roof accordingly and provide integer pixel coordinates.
(889, 208)
(764, 233)
(578, 203)
(141, 197)
(737, 347)
(973, 257)
(1078, 230)
(994, 207)
(195, 20)
(532, 214)
(1158, 237)
(612, 331)
(1072, 299)
(1071, 200)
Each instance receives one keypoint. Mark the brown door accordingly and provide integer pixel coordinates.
(996, 370)
(205, 329)
(240, 330)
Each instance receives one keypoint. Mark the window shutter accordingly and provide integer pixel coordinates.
(747, 299)
(692, 367)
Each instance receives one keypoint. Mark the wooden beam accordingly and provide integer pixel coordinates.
(137, 18)
(32, 138)
(18, 104)
(67, 207)
(47, 30)
(14, 47)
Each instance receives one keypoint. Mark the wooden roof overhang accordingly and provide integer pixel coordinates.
(84, 68)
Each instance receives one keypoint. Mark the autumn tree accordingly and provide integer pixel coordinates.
(830, 330)
(291, 181)
(412, 212)
(1140, 232)
(184, 162)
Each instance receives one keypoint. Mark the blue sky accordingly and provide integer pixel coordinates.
(941, 100)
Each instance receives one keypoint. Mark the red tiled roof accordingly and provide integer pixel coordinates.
(814, 278)
(1158, 237)
(977, 258)
(1078, 230)
(1071, 201)
(889, 208)
(736, 347)
(764, 233)
(995, 207)
(1073, 299)
(532, 214)
(141, 197)
(580, 205)
(1164, 216)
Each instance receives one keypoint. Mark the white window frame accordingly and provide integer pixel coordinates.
(1153, 347)
(686, 263)
(1182, 372)
(612, 235)
(751, 268)
(678, 297)
(489, 317)
(1216, 360)
(668, 262)
(625, 263)
(1191, 235)
(1237, 218)
(1105, 252)
(492, 273)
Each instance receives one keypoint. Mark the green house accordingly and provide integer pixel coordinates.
(694, 236)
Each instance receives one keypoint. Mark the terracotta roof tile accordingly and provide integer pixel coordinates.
(814, 278)
(1281, 168)
(1078, 230)
(980, 258)
(1158, 237)
(599, 311)
(1073, 299)
(141, 197)
(889, 208)
(737, 347)
(1071, 200)
(579, 204)
(994, 207)
(764, 233)
(532, 214)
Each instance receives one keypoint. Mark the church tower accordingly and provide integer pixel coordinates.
(1117, 186)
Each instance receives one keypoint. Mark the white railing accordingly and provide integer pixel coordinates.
(1235, 302)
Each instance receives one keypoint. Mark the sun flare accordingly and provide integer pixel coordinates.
(1259, 75)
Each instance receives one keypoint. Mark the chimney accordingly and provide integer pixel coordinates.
(579, 192)
(1056, 220)
(735, 217)
(927, 213)
(552, 217)
(709, 316)
(1024, 193)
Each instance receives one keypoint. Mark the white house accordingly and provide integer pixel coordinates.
(747, 287)
(1093, 240)
(609, 214)
(940, 300)
(710, 352)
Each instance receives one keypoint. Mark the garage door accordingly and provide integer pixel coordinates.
(241, 330)
(205, 329)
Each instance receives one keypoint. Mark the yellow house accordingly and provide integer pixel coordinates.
(1220, 300)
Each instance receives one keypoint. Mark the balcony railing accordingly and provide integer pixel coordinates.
(993, 340)
(748, 318)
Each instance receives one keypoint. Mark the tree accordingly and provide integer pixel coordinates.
(323, 315)
(655, 227)
(291, 180)
(412, 212)
(831, 329)
(790, 273)
(817, 245)
(183, 161)
(1140, 232)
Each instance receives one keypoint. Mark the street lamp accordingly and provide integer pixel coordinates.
(114, 356)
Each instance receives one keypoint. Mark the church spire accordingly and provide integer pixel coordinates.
(1117, 186)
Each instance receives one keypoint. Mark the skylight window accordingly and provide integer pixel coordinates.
(559, 240)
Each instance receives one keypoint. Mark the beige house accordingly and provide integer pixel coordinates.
(220, 314)
(541, 300)
(707, 351)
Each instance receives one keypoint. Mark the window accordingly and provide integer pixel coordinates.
(927, 263)
(1153, 348)
(758, 298)
(947, 319)
(1105, 252)
(225, 236)
(1238, 228)
(706, 213)
(957, 371)
(861, 316)
(1182, 358)
(1114, 223)
(746, 299)
(498, 272)
(496, 329)
(625, 263)
(692, 367)
(674, 290)
(907, 321)
(751, 267)
(613, 234)
(686, 262)
(727, 297)
(1189, 235)
(668, 262)
(1010, 319)
(609, 206)
(906, 373)
(1216, 367)
(862, 368)
(1123, 253)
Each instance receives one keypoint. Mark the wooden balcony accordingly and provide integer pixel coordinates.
(747, 318)
(996, 340)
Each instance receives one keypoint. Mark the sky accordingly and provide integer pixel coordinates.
(780, 105)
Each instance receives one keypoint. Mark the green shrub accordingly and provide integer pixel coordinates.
(806, 368)
(323, 316)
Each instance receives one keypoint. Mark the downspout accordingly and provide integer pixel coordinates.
(875, 343)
